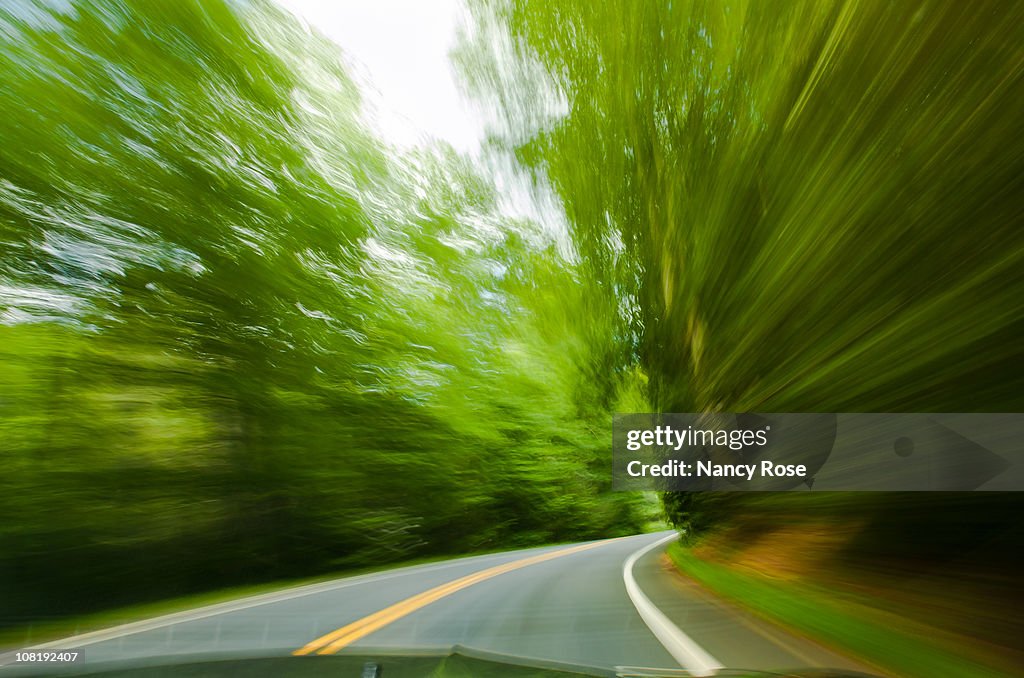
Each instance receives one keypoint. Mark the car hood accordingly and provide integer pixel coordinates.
(453, 662)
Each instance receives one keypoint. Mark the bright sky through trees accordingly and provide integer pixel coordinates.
(398, 51)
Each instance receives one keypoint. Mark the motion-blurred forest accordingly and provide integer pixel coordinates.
(244, 338)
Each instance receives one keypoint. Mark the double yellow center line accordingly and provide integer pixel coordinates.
(346, 635)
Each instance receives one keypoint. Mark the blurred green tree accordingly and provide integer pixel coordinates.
(244, 338)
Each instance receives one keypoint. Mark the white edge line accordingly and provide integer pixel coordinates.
(689, 654)
(247, 602)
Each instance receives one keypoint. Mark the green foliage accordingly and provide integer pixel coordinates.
(798, 206)
(245, 339)
(802, 206)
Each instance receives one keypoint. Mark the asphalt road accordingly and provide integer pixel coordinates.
(607, 603)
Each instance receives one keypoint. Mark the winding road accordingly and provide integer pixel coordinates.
(606, 603)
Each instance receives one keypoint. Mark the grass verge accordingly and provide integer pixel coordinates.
(818, 615)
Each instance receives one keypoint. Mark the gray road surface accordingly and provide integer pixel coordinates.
(573, 608)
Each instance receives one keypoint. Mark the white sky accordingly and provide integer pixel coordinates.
(398, 53)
